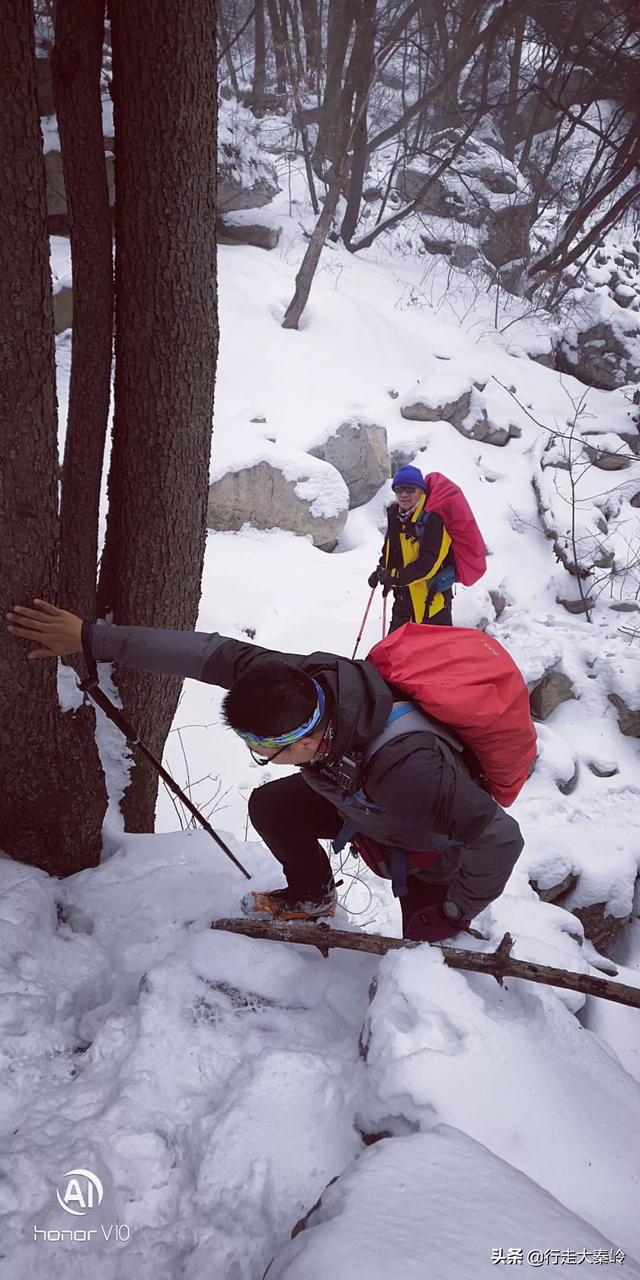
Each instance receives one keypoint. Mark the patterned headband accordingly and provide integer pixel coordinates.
(293, 735)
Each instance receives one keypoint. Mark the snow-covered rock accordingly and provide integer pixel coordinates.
(246, 178)
(547, 694)
(505, 234)
(628, 717)
(358, 450)
(601, 344)
(275, 489)
(444, 395)
(482, 190)
(390, 1212)
(452, 394)
(231, 231)
(444, 1049)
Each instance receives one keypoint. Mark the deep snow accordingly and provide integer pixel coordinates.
(215, 1083)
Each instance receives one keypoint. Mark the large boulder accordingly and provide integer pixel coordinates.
(540, 109)
(628, 717)
(599, 927)
(231, 192)
(255, 233)
(601, 344)
(444, 395)
(277, 490)
(451, 395)
(246, 179)
(359, 451)
(394, 1210)
(505, 234)
(478, 181)
(63, 309)
(549, 692)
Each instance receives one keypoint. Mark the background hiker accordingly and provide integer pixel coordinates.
(416, 561)
(409, 803)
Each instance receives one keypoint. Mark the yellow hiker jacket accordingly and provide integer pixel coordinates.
(413, 559)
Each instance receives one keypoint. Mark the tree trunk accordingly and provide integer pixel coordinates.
(166, 342)
(53, 796)
(304, 278)
(310, 25)
(259, 65)
(511, 115)
(339, 24)
(76, 64)
(348, 117)
(278, 38)
(364, 42)
(297, 114)
(225, 45)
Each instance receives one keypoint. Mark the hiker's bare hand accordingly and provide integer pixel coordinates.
(55, 631)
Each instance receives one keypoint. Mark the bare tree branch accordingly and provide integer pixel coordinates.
(497, 964)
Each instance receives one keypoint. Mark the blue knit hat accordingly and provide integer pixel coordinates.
(409, 475)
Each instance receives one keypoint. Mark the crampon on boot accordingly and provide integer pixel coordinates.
(283, 904)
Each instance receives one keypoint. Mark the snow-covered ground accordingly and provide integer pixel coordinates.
(216, 1085)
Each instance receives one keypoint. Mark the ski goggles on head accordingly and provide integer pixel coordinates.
(283, 740)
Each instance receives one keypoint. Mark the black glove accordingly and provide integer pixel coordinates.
(372, 580)
(385, 578)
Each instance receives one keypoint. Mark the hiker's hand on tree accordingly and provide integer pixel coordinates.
(55, 631)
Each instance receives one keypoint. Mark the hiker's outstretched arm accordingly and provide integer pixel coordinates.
(176, 653)
(202, 655)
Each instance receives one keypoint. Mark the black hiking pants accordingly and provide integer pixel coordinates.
(403, 611)
(290, 817)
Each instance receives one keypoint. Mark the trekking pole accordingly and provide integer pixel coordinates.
(362, 624)
(91, 686)
(384, 614)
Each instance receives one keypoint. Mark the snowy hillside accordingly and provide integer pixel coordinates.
(217, 1085)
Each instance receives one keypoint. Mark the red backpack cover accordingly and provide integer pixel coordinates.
(448, 501)
(468, 681)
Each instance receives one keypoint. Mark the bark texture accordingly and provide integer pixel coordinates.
(340, 21)
(76, 64)
(164, 88)
(53, 790)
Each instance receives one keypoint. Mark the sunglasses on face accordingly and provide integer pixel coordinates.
(406, 489)
(262, 760)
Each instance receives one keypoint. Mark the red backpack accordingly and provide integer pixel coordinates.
(466, 680)
(448, 501)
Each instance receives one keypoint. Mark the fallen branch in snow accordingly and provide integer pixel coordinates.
(498, 964)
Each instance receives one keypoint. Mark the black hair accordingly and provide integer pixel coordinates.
(271, 698)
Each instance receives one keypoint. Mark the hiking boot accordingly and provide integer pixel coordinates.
(283, 904)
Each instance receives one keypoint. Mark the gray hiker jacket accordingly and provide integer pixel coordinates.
(416, 793)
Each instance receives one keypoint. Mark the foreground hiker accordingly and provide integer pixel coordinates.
(408, 802)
